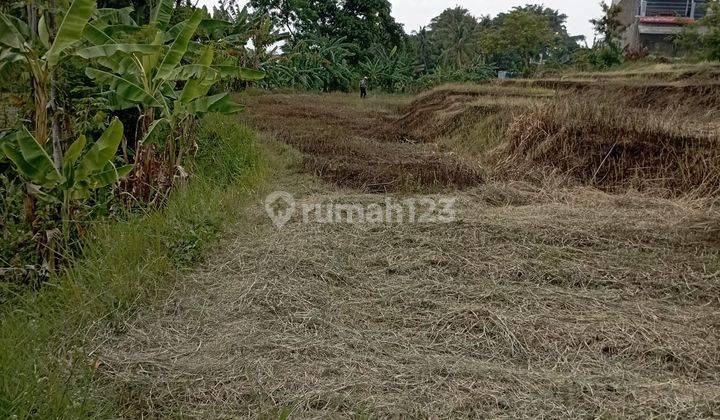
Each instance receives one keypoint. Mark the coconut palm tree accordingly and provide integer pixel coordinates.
(455, 34)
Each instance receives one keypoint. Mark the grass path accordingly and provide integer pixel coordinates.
(557, 303)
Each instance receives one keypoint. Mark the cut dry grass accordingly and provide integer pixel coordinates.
(609, 147)
(582, 304)
(446, 110)
(656, 72)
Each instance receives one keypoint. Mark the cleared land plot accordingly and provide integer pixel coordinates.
(553, 294)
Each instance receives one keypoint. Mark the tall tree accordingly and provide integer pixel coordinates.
(422, 48)
(519, 39)
(362, 23)
(455, 35)
(563, 44)
(609, 25)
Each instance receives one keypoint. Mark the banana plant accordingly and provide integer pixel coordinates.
(39, 47)
(82, 171)
(391, 70)
(314, 63)
(147, 75)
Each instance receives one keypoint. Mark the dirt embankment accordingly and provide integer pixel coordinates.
(609, 149)
(584, 134)
(611, 135)
(353, 145)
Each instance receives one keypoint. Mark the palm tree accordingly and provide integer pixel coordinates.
(455, 33)
(423, 48)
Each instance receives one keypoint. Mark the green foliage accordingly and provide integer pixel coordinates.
(455, 35)
(478, 72)
(147, 72)
(313, 63)
(17, 250)
(391, 71)
(520, 38)
(169, 77)
(71, 29)
(44, 369)
(331, 44)
(28, 45)
(361, 23)
(702, 39)
(82, 171)
(607, 52)
(601, 56)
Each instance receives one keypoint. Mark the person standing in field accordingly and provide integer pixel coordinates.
(363, 88)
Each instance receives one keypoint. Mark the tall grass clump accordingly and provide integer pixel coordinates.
(47, 368)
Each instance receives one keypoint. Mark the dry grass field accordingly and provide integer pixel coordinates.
(581, 277)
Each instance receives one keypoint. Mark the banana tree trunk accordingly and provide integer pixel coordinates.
(56, 144)
(141, 180)
(42, 99)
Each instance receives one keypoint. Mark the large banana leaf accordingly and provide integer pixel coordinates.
(71, 29)
(9, 34)
(108, 175)
(161, 13)
(214, 25)
(116, 103)
(173, 32)
(102, 151)
(206, 58)
(71, 156)
(7, 56)
(44, 32)
(124, 88)
(109, 50)
(155, 130)
(121, 16)
(30, 159)
(74, 151)
(194, 71)
(21, 26)
(114, 30)
(179, 46)
(216, 103)
(96, 36)
(80, 188)
(8, 147)
(202, 77)
(196, 88)
(151, 61)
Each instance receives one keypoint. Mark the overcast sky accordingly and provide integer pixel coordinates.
(416, 13)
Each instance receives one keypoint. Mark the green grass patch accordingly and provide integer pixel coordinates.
(46, 366)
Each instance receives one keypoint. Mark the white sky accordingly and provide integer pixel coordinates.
(416, 13)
